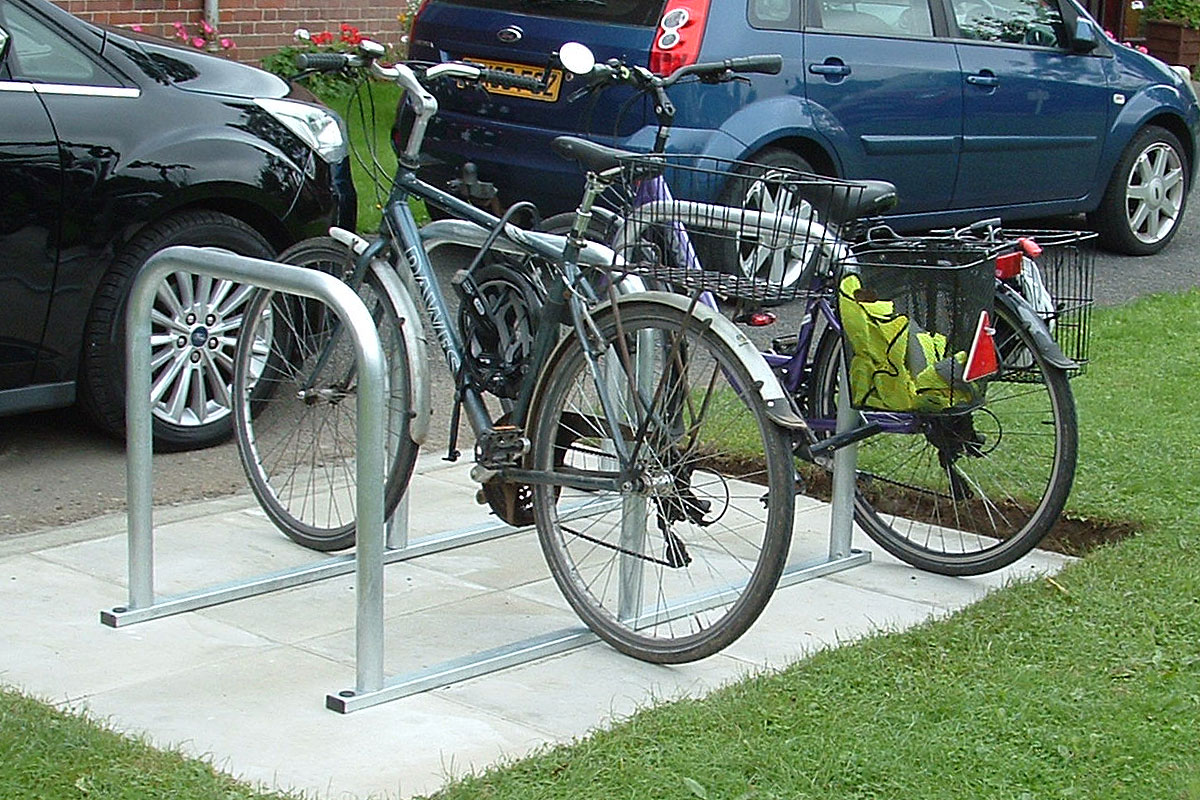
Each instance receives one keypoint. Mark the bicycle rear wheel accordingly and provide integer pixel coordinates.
(295, 396)
(965, 494)
(681, 559)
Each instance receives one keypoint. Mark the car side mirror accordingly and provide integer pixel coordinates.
(3, 44)
(1084, 40)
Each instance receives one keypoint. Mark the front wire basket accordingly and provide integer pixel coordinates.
(741, 231)
(915, 335)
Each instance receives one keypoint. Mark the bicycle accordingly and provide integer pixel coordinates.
(649, 442)
(936, 488)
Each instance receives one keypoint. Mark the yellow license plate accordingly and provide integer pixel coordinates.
(549, 96)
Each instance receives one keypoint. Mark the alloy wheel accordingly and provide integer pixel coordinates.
(1154, 193)
(194, 329)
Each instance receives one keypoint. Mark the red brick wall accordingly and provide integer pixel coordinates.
(257, 27)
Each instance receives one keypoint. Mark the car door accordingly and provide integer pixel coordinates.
(1034, 113)
(886, 94)
(30, 208)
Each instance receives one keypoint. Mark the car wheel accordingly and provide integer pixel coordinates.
(194, 329)
(745, 255)
(1145, 198)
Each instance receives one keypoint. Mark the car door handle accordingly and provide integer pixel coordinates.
(985, 79)
(835, 69)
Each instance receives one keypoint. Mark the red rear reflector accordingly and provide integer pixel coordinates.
(982, 360)
(761, 319)
(677, 45)
(1031, 248)
(1009, 265)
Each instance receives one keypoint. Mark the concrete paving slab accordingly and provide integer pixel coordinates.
(54, 644)
(419, 639)
(244, 683)
(256, 717)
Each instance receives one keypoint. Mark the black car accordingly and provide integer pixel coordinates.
(112, 146)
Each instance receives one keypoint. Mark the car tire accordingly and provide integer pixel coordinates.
(732, 255)
(204, 419)
(1146, 195)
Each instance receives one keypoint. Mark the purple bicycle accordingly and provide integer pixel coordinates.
(951, 346)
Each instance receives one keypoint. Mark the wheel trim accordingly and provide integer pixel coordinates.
(1154, 193)
(194, 329)
(779, 265)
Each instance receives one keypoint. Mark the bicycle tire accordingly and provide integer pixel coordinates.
(1017, 479)
(295, 433)
(719, 530)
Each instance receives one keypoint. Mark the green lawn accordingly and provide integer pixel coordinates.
(1083, 686)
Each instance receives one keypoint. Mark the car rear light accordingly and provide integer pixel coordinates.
(1009, 265)
(678, 36)
(412, 23)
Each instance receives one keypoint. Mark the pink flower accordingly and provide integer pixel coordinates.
(177, 25)
(204, 26)
(227, 43)
(135, 28)
(197, 42)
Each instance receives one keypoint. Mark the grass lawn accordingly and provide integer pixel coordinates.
(1082, 686)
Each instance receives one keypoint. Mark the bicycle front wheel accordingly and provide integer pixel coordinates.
(295, 405)
(680, 558)
(965, 494)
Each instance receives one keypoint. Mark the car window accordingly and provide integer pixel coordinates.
(871, 17)
(775, 15)
(623, 12)
(1033, 22)
(41, 54)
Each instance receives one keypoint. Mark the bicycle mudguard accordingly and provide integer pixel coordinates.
(1033, 325)
(779, 405)
(415, 342)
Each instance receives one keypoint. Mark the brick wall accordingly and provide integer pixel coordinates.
(257, 27)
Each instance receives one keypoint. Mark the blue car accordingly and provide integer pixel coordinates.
(972, 108)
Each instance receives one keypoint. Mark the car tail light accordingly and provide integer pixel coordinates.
(412, 23)
(678, 36)
(1009, 265)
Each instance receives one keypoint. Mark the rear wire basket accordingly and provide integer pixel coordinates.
(910, 311)
(742, 231)
(1067, 266)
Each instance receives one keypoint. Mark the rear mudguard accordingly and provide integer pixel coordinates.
(778, 405)
(1033, 325)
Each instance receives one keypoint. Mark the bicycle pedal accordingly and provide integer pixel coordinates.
(501, 447)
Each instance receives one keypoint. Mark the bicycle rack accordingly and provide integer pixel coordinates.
(380, 542)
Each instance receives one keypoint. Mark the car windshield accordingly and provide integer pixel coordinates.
(621, 12)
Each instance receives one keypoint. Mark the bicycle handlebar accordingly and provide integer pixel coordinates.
(332, 62)
(323, 62)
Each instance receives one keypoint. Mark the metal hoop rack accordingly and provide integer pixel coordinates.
(379, 541)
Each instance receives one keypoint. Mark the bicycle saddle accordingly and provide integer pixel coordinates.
(598, 158)
(842, 206)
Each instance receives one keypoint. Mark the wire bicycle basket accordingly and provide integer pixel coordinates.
(916, 318)
(1066, 270)
(741, 231)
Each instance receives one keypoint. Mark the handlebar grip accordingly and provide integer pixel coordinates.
(765, 64)
(322, 62)
(510, 80)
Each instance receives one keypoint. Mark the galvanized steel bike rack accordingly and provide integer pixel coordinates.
(374, 548)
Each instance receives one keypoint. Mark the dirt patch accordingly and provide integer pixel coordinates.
(1071, 535)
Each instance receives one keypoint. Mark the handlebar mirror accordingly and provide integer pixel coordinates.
(577, 58)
